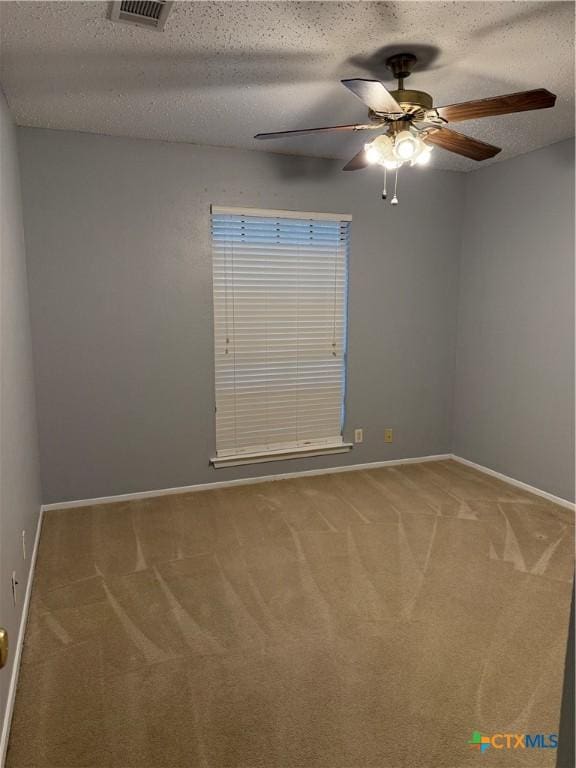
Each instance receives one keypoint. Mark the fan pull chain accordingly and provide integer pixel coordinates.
(384, 193)
(394, 200)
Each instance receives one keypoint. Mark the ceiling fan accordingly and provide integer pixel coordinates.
(409, 125)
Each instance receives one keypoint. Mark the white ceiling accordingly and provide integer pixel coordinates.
(223, 71)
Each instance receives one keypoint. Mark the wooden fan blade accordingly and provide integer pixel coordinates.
(461, 144)
(358, 162)
(305, 131)
(523, 101)
(374, 95)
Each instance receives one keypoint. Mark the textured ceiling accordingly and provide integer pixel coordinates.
(221, 72)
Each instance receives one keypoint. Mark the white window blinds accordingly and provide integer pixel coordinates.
(280, 290)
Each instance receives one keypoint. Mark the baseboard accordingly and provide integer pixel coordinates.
(306, 473)
(518, 483)
(18, 648)
(241, 481)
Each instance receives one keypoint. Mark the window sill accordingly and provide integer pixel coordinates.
(289, 453)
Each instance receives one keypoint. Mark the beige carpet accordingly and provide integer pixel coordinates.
(358, 619)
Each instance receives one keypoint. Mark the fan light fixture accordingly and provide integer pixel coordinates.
(392, 152)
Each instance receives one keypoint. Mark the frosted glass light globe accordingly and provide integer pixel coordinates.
(405, 146)
(372, 154)
(424, 157)
(379, 150)
(383, 144)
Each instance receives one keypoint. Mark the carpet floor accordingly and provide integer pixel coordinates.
(372, 618)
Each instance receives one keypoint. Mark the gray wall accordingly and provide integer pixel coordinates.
(514, 403)
(118, 242)
(19, 476)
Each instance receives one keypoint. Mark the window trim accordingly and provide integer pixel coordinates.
(274, 214)
(238, 460)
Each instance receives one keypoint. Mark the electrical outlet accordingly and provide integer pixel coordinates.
(14, 585)
(388, 435)
(24, 545)
(358, 435)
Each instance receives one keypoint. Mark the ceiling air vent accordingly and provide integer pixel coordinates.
(145, 13)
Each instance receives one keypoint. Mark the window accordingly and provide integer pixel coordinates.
(280, 291)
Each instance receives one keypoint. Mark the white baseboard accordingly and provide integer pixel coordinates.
(241, 481)
(518, 483)
(307, 473)
(18, 648)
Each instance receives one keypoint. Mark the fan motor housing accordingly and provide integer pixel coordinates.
(414, 103)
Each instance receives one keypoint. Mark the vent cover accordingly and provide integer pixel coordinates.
(144, 13)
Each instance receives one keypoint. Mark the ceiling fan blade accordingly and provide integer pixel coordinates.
(523, 101)
(305, 131)
(374, 95)
(358, 162)
(461, 144)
